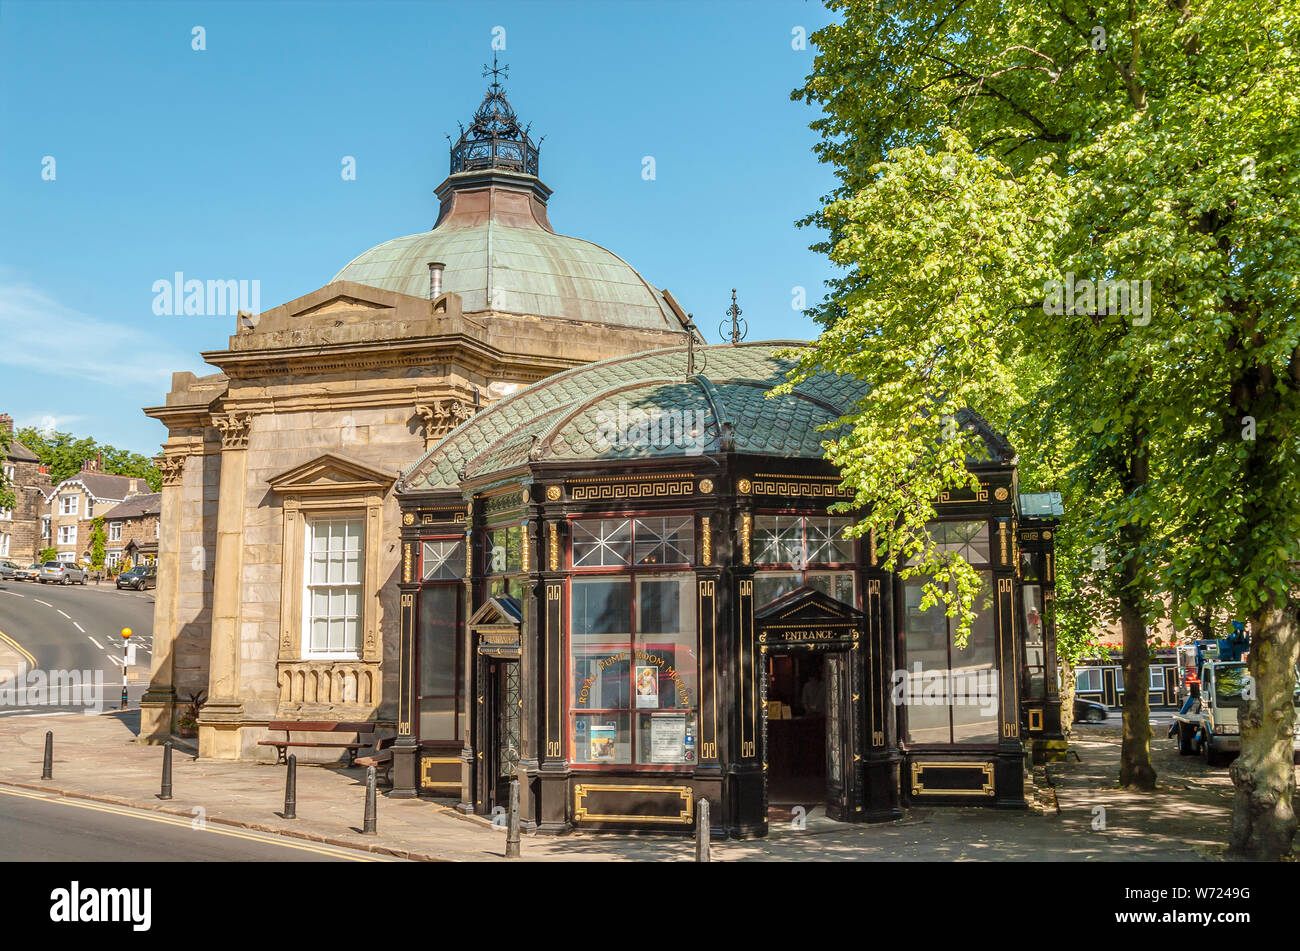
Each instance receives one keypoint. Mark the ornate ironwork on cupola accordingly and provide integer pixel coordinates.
(494, 138)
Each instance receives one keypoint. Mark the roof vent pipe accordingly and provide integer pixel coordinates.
(435, 279)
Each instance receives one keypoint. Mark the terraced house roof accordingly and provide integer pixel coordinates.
(645, 406)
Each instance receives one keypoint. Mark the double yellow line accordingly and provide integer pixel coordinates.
(31, 661)
(264, 838)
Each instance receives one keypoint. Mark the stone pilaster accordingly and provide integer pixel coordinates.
(158, 705)
(219, 721)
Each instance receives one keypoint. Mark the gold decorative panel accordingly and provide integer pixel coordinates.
(582, 791)
(918, 778)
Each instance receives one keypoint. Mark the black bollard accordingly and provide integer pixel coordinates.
(368, 825)
(702, 832)
(512, 828)
(291, 789)
(167, 771)
(47, 771)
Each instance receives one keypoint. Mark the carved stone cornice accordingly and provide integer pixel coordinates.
(442, 416)
(172, 469)
(234, 429)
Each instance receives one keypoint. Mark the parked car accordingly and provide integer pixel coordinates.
(1089, 711)
(30, 573)
(139, 578)
(62, 572)
(9, 571)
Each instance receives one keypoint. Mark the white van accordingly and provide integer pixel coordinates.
(1210, 726)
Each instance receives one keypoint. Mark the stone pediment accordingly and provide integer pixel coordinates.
(807, 606)
(332, 473)
(341, 304)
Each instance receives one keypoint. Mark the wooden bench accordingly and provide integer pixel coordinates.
(316, 726)
(381, 758)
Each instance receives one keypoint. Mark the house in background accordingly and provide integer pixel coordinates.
(77, 500)
(29, 481)
(131, 530)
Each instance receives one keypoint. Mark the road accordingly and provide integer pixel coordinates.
(39, 827)
(74, 628)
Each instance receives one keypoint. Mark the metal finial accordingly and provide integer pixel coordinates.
(496, 72)
(690, 345)
(739, 327)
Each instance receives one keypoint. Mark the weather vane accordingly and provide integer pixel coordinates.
(495, 72)
(739, 328)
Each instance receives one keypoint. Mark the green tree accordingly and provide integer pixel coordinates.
(988, 154)
(48, 554)
(98, 536)
(65, 454)
(6, 487)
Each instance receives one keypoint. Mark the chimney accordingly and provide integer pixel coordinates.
(6, 423)
(435, 279)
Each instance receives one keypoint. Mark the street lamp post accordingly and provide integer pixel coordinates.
(126, 637)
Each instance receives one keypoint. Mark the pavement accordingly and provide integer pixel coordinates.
(97, 759)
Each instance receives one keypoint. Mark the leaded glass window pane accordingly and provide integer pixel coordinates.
(444, 560)
(602, 542)
(826, 541)
(778, 539)
(665, 541)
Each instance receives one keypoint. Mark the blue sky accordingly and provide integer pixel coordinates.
(225, 164)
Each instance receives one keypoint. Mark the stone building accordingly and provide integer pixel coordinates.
(279, 556)
(28, 480)
(132, 530)
(75, 502)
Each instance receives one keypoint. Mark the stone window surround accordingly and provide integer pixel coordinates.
(330, 485)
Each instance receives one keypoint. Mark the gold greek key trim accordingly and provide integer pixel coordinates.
(632, 490)
(582, 790)
(945, 497)
(816, 487)
(918, 787)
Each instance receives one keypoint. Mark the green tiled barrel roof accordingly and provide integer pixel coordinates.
(586, 414)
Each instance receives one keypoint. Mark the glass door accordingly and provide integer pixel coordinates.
(503, 750)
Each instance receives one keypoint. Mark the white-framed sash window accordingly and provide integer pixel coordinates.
(333, 574)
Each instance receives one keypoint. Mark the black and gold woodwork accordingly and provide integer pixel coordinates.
(880, 774)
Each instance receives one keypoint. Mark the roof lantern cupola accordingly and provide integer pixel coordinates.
(494, 138)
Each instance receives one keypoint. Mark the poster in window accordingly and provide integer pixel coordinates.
(668, 738)
(647, 688)
(602, 741)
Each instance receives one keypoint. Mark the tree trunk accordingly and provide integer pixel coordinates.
(1263, 813)
(1135, 769)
